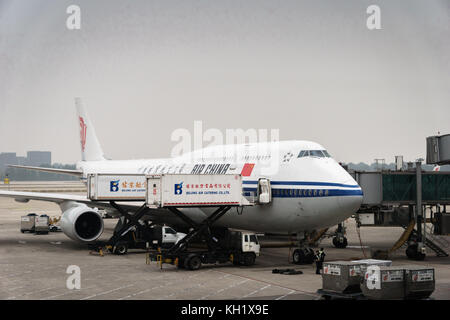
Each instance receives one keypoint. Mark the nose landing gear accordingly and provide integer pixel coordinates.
(303, 254)
(339, 239)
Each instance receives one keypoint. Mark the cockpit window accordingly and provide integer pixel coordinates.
(314, 153)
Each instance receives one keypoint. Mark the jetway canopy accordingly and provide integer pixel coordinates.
(399, 187)
(438, 149)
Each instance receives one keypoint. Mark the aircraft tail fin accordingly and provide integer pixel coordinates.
(90, 146)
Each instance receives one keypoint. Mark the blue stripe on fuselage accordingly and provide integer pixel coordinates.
(308, 193)
(306, 183)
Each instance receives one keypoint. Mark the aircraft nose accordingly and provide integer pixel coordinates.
(352, 202)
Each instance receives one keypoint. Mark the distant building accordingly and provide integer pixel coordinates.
(7, 158)
(23, 161)
(33, 158)
(37, 158)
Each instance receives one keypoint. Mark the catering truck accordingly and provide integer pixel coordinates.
(170, 192)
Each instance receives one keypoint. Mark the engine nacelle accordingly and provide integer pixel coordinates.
(81, 223)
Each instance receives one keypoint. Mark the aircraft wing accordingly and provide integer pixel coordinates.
(77, 173)
(59, 198)
(156, 215)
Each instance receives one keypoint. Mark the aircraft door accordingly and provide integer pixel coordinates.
(264, 191)
(154, 191)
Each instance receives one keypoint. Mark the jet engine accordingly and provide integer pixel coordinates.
(81, 223)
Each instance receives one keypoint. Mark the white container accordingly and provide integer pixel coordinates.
(116, 187)
(190, 190)
(41, 224)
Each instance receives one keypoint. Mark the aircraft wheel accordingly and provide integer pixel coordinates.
(309, 257)
(413, 253)
(303, 256)
(340, 244)
(297, 256)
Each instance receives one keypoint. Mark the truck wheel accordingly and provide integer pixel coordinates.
(249, 259)
(120, 249)
(194, 262)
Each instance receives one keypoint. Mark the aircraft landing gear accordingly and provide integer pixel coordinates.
(415, 249)
(339, 239)
(303, 254)
(340, 242)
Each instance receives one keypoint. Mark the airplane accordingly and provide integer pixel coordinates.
(307, 191)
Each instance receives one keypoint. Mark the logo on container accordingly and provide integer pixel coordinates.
(83, 129)
(114, 186)
(179, 188)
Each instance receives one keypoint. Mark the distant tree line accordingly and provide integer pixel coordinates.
(388, 166)
(18, 174)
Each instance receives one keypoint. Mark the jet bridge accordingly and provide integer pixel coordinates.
(405, 198)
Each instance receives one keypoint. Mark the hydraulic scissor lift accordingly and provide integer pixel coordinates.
(118, 243)
(182, 257)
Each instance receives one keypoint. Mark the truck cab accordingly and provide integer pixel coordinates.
(250, 243)
(170, 236)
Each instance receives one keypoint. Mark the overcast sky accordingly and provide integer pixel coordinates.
(311, 69)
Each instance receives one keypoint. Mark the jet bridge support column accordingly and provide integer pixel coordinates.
(416, 247)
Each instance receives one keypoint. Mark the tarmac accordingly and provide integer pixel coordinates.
(36, 266)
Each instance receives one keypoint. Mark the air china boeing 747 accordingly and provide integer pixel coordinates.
(308, 189)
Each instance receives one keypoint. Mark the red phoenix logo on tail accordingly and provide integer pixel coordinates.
(83, 128)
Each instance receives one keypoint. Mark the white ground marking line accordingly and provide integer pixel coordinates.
(106, 292)
(63, 294)
(275, 285)
(30, 293)
(256, 291)
(281, 297)
(150, 289)
(15, 288)
(161, 286)
(140, 292)
(15, 274)
(192, 287)
(223, 289)
(75, 291)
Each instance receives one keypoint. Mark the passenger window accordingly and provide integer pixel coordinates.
(246, 238)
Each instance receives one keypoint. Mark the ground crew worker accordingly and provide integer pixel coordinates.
(320, 258)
